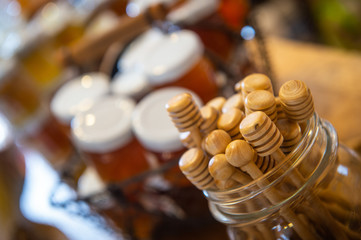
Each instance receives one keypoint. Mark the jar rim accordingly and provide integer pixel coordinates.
(291, 161)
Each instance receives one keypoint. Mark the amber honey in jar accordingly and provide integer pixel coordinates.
(49, 140)
(18, 96)
(78, 94)
(178, 60)
(103, 135)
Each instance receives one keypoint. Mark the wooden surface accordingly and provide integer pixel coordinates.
(333, 76)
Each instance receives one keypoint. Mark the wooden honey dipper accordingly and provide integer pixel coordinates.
(186, 139)
(297, 101)
(240, 154)
(221, 170)
(194, 165)
(255, 81)
(261, 100)
(217, 103)
(280, 113)
(210, 116)
(216, 142)
(186, 116)
(234, 101)
(258, 129)
(229, 121)
(264, 164)
(291, 133)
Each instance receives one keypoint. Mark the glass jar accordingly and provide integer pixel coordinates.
(104, 137)
(178, 60)
(328, 202)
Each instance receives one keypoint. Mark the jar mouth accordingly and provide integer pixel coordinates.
(228, 201)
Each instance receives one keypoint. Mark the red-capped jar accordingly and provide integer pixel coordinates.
(104, 136)
(178, 60)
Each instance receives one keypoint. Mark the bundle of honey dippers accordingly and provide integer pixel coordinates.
(234, 141)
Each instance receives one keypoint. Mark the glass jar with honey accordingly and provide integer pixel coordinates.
(104, 136)
(178, 60)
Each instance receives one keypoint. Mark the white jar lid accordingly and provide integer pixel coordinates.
(132, 84)
(77, 95)
(106, 126)
(193, 11)
(151, 123)
(6, 134)
(134, 54)
(172, 57)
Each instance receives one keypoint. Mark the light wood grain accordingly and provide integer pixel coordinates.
(229, 122)
(186, 116)
(216, 142)
(239, 153)
(194, 165)
(261, 100)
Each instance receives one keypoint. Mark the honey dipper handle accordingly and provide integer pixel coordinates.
(274, 198)
(298, 180)
(302, 230)
(241, 177)
(196, 136)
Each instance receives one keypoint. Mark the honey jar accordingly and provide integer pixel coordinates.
(178, 60)
(78, 94)
(20, 98)
(103, 135)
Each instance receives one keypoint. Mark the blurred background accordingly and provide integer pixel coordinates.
(85, 151)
